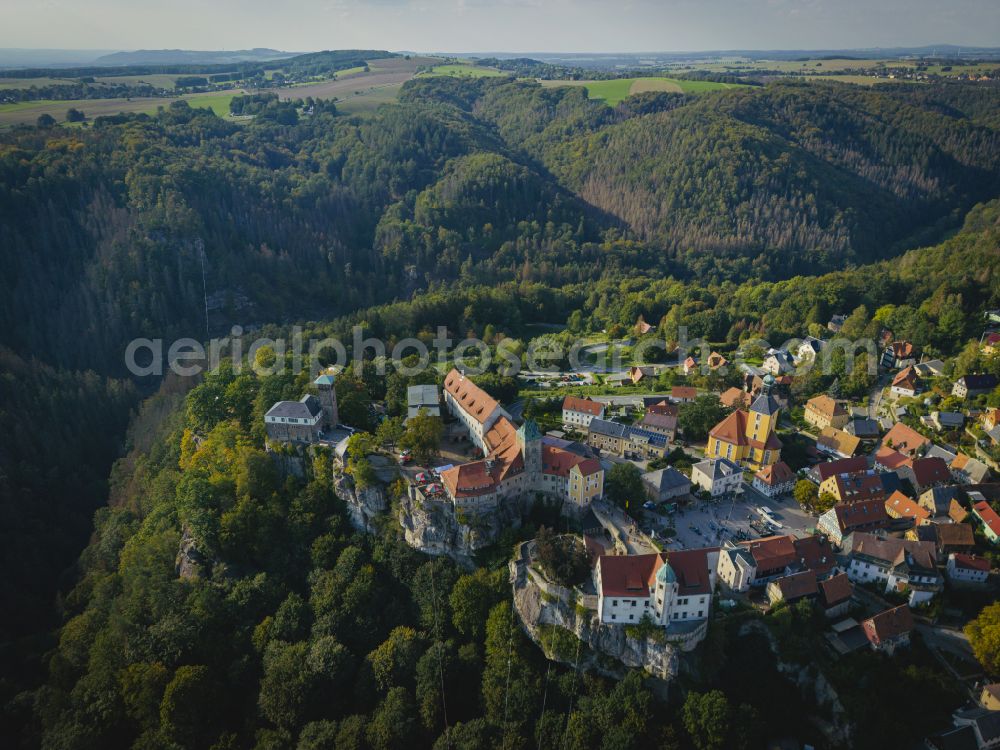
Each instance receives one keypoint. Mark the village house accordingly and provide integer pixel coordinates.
(925, 473)
(889, 630)
(906, 383)
(778, 362)
(748, 437)
(969, 386)
(666, 485)
(735, 398)
(820, 472)
(904, 439)
(966, 470)
(899, 354)
(640, 373)
(808, 349)
(627, 441)
(989, 698)
(689, 366)
(836, 323)
(716, 361)
(967, 569)
(865, 429)
(937, 500)
(900, 506)
(662, 424)
(759, 561)
(837, 443)
(835, 595)
(930, 368)
(658, 405)
(987, 517)
(673, 589)
(990, 343)
(774, 480)
(944, 420)
(822, 412)
(863, 485)
(946, 537)
(683, 394)
(844, 519)
(578, 412)
(793, 588)
(899, 565)
(990, 418)
(717, 476)
(422, 398)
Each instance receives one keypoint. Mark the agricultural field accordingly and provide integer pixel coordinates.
(27, 83)
(160, 80)
(614, 90)
(461, 70)
(25, 113)
(859, 80)
(369, 100)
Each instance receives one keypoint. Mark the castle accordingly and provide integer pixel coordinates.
(518, 461)
(305, 420)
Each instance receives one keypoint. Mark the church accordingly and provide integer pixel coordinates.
(748, 436)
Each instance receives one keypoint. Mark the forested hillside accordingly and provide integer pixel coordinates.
(482, 204)
(287, 629)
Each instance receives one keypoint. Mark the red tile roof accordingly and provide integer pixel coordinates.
(860, 514)
(835, 590)
(472, 399)
(906, 378)
(691, 568)
(928, 471)
(583, 405)
(798, 585)
(899, 505)
(775, 474)
(889, 624)
(988, 515)
(663, 407)
(684, 392)
(904, 439)
(842, 466)
(734, 397)
(628, 575)
(772, 552)
(971, 562)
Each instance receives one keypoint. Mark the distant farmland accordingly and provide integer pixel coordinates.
(26, 113)
(461, 70)
(616, 89)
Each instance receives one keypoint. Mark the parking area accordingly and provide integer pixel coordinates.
(703, 523)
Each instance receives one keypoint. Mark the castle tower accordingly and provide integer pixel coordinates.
(762, 421)
(327, 390)
(666, 592)
(529, 440)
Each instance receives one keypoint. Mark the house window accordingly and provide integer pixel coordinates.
(631, 617)
(614, 617)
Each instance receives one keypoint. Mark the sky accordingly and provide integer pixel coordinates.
(497, 25)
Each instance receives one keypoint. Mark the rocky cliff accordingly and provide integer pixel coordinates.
(434, 527)
(605, 649)
(363, 504)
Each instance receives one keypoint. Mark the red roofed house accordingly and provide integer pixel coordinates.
(791, 589)
(900, 506)
(673, 588)
(775, 479)
(760, 561)
(929, 472)
(475, 408)
(905, 440)
(835, 595)
(967, 569)
(988, 518)
(577, 412)
(906, 383)
(889, 630)
(899, 354)
(683, 393)
(734, 398)
(846, 518)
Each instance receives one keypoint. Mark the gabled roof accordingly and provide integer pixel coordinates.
(841, 466)
(826, 406)
(734, 397)
(979, 382)
(583, 405)
(662, 407)
(666, 479)
(904, 439)
(988, 516)
(862, 513)
(683, 392)
(889, 624)
(797, 585)
(901, 349)
(472, 399)
(717, 468)
(929, 471)
(772, 552)
(838, 441)
(775, 474)
(906, 378)
(306, 408)
(835, 590)
(732, 429)
(905, 507)
(970, 562)
(654, 422)
(894, 551)
(691, 570)
(629, 575)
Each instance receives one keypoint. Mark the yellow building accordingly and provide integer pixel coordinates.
(748, 437)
